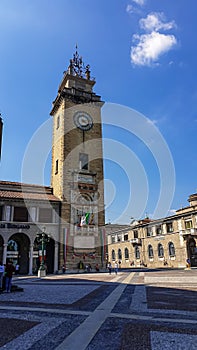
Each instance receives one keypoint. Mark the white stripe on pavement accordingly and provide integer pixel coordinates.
(82, 335)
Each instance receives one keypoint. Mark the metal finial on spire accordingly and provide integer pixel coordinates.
(77, 66)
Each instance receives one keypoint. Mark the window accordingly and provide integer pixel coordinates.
(12, 245)
(1, 212)
(7, 213)
(150, 251)
(113, 255)
(126, 253)
(160, 251)
(158, 230)
(20, 214)
(56, 167)
(137, 252)
(135, 234)
(188, 224)
(119, 254)
(45, 215)
(113, 239)
(125, 237)
(32, 213)
(149, 231)
(169, 227)
(58, 122)
(83, 161)
(119, 238)
(171, 249)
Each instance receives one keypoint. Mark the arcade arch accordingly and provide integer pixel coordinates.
(18, 251)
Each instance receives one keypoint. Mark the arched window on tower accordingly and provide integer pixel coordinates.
(58, 122)
(83, 161)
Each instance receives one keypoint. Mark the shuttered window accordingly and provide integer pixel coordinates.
(20, 214)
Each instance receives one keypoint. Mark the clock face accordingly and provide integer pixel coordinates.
(83, 121)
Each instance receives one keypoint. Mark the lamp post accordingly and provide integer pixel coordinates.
(42, 238)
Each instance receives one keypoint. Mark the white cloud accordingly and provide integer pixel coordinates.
(150, 47)
(133, 9)
(130, 9)
(172, 212)
(152, 121)
(156, 21)
(139, 2)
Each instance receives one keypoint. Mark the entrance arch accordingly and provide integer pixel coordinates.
(18, 251)
(49, 252)
(192, 251)
(1, 248)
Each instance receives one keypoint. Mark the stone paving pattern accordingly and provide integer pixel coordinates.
(136, 309)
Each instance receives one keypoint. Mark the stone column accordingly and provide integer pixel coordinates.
(56, 257)
(31, 248)
(4, 252)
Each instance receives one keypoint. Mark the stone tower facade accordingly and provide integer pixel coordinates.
(77, 167)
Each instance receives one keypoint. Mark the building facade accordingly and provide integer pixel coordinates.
(166, 242)
(25, 211)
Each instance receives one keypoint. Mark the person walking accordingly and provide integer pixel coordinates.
(2, 269)
(9, 270)
(116, 267)
(109, 267)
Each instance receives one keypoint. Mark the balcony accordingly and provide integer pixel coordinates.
(135, 241)
(190, 231)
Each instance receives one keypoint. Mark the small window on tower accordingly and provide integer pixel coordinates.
(56, 167)
(83, 161)
(58, 122)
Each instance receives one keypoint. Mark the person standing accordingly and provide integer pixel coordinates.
(9, 270)
(17, 269)
(2, 269)
(116, 267)
(63, 268)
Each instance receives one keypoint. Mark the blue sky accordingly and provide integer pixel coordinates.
(143, 56)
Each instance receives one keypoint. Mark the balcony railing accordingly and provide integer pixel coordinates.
(190, 231)
(135, 241)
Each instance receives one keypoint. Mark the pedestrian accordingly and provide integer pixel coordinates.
(97, 268)
(9, 270)
(63, 268)
(80, 265)
(2, 269)
(109, 267)
(116, 267)
(188, 263)
(17, 269)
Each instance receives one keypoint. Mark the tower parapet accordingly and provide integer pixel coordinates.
(76, 85)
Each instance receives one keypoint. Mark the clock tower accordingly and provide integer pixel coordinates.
(77, 167)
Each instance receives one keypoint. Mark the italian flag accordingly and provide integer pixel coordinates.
(85, 219)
